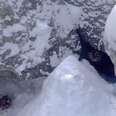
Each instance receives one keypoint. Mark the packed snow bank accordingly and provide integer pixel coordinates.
(73, 89)
(110, 35)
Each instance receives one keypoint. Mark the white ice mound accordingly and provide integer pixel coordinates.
(110, 35)
(73, 89)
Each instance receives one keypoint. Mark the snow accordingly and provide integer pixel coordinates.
(30, 31)
(32, 51)
(13, 29)
(110, 35)
(42, 30)
(73, 89)
(67, 18)
(110, 28)
(21, 93)
(14, 49)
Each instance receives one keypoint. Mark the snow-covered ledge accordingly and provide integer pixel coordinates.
(73, 89)
(110, 36)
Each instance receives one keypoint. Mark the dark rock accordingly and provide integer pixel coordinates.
(5, 102)
(98, 59)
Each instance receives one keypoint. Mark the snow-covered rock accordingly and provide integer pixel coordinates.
(73, 89)
(110, 35)
(34, 32)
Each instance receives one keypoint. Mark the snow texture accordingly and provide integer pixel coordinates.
(67, 91)
(28, 30)
(110, 36)
(34, 34)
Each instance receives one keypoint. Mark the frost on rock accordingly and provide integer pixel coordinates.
(31, 32)
(110, 35)
(73, 89)
(34, 32)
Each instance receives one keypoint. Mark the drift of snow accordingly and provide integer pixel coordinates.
(73, 89)
(110, 35)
